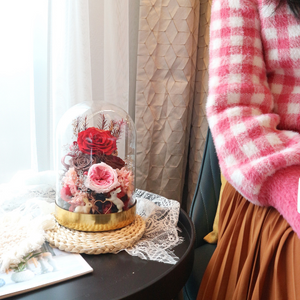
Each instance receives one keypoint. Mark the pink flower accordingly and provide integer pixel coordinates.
(125, 179)
(71, 180)
(101, 178)
(78, 200)
(65, 193)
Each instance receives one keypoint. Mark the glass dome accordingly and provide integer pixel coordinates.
(95, 163)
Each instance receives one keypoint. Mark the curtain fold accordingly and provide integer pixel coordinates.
(170, 95)
(116, 52)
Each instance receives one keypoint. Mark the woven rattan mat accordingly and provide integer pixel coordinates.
(96, 242)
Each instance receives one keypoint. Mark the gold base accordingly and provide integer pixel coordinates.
(94, 222)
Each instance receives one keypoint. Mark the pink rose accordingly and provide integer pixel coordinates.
(101, 178)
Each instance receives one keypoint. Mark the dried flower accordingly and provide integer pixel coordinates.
(83, 161)
(125, 179)
(78, 200)
(114, 161)
(79, 124)
(117, 128)
(93, 167)
(71, 180)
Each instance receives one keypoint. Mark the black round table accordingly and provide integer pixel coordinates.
(121, 276)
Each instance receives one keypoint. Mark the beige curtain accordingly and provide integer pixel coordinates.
(170, 95)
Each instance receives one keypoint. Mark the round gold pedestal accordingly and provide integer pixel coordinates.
(94, 222)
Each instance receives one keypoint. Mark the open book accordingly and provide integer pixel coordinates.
(49, 266)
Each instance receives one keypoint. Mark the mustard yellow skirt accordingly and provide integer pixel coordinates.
(257, 256)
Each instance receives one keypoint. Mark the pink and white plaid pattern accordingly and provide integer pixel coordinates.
(253, 107)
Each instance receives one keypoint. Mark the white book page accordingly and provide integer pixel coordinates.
(51, 267)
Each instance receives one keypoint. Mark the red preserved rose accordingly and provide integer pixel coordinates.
(93, 140)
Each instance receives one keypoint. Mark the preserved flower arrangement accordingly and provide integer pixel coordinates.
(98, 162)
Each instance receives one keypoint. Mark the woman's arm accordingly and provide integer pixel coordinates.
(250, 148)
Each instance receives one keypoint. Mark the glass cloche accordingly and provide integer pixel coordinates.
(95, 163)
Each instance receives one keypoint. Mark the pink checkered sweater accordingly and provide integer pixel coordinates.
(253, 107)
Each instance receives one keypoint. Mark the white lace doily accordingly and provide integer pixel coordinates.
(161, 214)
(161, 236)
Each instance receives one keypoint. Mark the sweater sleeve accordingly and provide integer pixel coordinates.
(240, 111)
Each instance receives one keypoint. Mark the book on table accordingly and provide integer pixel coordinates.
(45, 267)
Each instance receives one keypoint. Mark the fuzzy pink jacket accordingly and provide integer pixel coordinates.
(253, 107)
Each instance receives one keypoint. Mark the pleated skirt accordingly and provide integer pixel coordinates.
(257, 255)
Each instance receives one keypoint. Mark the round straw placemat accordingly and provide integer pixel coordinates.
(71, 240)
